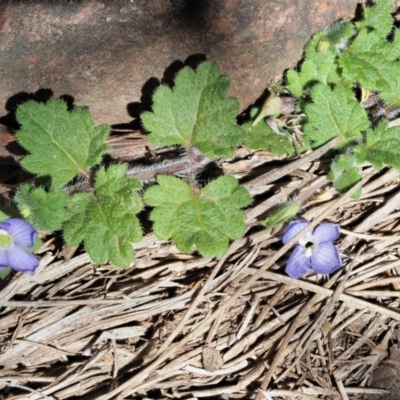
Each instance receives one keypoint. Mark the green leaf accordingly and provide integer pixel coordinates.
(331, 40)
(3, 216)
(334, 113)
(298, 82)
(62, 144)
(45, 211)
(396, 43)
(4, 273)
(345, 173)
(206, 220)
(382, 146)
(282, 213)
(262, 137)
(295, 83)
(311, 73)
(105, 219)
(371, 61)
(334, 38)
(320, 64)
(392, 95)
(195, 112)
(378, 18)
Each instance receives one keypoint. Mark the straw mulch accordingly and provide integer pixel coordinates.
(185, 327)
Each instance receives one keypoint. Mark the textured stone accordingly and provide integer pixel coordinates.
(108, 54)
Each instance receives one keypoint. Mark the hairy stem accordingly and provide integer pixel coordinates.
(188, 166)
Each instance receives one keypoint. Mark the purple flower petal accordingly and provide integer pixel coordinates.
(4, 258)
(326, 259)
(20, 260)
(22, 233)
(326, 232)
(293, 229)
(298, 263)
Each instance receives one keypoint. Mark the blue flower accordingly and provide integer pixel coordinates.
(315, 250)
(14, 235)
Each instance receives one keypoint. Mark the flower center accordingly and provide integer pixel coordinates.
(5, 239)
(309, 244)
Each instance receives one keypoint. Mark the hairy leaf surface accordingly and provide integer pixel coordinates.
(206, 220)
(195, 112)
(331, 40)
(345, 173)
(262, 137)
(282, 213)
(371, 61)
(320, 65)
(62, 144)
(334, 113)
(45, 211)
(378, 18)
(382, 146)
(105, 220)
(311, 73)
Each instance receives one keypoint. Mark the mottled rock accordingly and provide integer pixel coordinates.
(104, 52)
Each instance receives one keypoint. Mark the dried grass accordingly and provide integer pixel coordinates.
(181, 326)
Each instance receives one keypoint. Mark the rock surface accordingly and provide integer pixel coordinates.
(108, 54)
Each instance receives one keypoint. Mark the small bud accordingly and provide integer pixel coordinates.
(282, 213)
(274, 106)
(323, 45)
(279, 90)
(288, 105)
(26, 212)
(369, 99)
(336, 37)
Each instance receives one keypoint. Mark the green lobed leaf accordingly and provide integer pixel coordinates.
(326, 72)
(371, 61)
(195, 112)
(105, 220)
(382, 146)
(62, 144)
(262, 137)
(334, 112)
(298, 82)
(206, 220)
(378, 18)
(396, 42)
(295, 83)
(45, 211)
(345, 173)
(320, 64)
